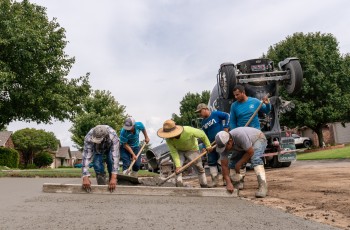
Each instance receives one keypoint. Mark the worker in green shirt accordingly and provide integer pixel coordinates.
(183, 144)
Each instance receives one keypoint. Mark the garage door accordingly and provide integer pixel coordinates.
(342, 135)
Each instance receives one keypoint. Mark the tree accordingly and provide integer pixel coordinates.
(43, 159)
(31, 141)
(325, 93)
(188, 106)
(34, 66)
(100, 108)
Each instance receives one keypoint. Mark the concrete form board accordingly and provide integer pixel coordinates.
(138, 190)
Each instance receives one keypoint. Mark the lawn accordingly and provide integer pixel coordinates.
(340, 153)
(59, 172)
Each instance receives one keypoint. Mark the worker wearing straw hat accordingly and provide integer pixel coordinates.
(183, 144)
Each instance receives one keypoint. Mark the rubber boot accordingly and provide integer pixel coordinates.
(235, 179)
(260, 173)
(203, 180)
(178, 180)
(101, 178)
(242, 172)
(214, 176)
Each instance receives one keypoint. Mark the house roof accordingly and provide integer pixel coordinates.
(77, 154)
(4, 136)
(64, 152)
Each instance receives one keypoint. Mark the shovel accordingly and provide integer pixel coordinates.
(128, 171)
(183, 168)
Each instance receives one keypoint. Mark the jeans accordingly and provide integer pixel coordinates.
(127, 159)
(213, 158)
(98, 163)
(259, 148)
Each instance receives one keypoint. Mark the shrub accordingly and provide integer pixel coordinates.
(43, 159)
(9, 157)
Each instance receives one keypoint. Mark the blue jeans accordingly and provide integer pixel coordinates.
(259, 148)
(98, 161)
(127, 159)
(213, 158)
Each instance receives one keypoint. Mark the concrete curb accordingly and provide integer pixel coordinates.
(138, 190)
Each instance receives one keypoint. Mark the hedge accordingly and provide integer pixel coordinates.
(9, 157)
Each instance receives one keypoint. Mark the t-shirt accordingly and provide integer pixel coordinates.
(243, 139)
(241, 112)
(132, 139)
(187, 142)
(214, 124)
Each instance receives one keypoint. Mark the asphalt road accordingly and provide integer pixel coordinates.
(24, 206)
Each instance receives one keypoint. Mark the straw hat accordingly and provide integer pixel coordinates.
(170, 129)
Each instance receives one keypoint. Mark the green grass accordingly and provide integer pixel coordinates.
(59, 172)
(340, 153)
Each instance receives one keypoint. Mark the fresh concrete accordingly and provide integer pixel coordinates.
(138, 190)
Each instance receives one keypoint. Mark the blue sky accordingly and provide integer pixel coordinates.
(150, 53)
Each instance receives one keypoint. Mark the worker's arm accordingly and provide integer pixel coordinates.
(145, 135)
(245, 158)
(226, 174)
(174, 154)
(86, 159)
(266, 107)
(115, 167)
(225, 117)
(129, 149)
(201, 134)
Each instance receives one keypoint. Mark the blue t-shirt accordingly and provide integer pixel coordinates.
(241, 112)
(132, 139)
(214, 124)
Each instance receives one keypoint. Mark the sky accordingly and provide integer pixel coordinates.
(150, 53)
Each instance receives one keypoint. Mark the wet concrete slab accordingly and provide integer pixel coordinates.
(138, 190)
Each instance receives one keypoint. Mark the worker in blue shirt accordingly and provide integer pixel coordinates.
(244, 107)
(212, 123)
(241, 111)
(130, 144)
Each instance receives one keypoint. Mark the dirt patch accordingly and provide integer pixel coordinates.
(314, 190)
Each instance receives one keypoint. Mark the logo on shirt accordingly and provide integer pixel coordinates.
(251, 106)
(209, 123)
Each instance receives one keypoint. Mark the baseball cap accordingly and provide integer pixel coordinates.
(129, 123)
(98, 133)
(200, 107)
(221, 140)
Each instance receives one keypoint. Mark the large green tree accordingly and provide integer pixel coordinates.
(34, 66)
(188, 106)
(325, 94)
(100, 108)
(31, 141)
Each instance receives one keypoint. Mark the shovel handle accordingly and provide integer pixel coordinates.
(183, 168)
(256, 111)
(137, 156)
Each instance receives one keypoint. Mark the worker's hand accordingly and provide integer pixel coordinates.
(112, 183)
(209, 149)
(229, 187)
(177, 170)
(86, 184)
(147, 140)
(266, 100)
(226, 129)
(134, 158)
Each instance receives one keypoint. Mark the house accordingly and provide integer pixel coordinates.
(6, 140)
(63, 157)
(333, 134)
(77, 157)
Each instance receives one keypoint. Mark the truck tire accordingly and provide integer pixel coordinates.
(286, 164)
(296, 77)
(306, 144)
(227, 79)
(275, 163)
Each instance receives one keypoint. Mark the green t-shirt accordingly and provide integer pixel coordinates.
(187, 142)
